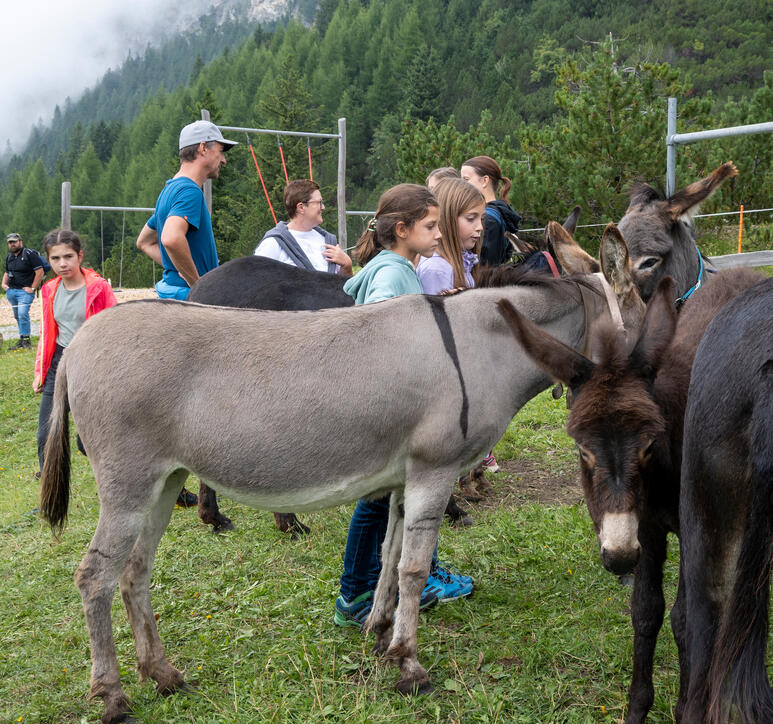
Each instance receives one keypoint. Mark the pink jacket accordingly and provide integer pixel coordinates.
(99, 296)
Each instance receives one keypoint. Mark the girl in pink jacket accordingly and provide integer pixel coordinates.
(69, 299)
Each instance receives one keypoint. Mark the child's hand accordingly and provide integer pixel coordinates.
(449, 292)
(36, 386)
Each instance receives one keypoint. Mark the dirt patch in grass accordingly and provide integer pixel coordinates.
(523, 482)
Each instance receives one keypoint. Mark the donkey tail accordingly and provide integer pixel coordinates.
(55, 476)
(738, 681)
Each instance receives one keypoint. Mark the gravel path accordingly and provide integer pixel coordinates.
(10, 330)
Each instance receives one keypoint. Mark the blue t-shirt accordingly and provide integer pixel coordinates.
(183, 197)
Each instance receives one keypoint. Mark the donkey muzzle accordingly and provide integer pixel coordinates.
(619, 542)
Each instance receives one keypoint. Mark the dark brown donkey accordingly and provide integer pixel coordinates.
(627, 420)
(726, 513)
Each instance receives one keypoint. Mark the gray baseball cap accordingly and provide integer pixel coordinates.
(198, 131)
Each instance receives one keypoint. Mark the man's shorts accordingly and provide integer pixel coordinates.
(167, 291)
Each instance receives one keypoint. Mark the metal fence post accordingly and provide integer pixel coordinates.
(341, 195)
(671, 148)
(66, 217)
(208, 182)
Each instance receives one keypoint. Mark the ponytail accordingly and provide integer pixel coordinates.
(487, 166)
(405, 202)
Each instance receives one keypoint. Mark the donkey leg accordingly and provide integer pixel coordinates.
(679, 628)
(647, 609)
(380, 620)
(426, 493)
(96, 578)
(209, 512)
(134, 583)
(289, 523)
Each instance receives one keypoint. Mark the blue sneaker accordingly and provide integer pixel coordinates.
(449, 583)
(357, 611)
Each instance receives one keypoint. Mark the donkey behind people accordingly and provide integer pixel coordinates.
(264, 377)
(726, 513)
(627, 420)
(660, 234)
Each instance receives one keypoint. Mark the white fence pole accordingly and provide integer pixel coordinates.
(341, 192)
(66, 214)
(673, 139)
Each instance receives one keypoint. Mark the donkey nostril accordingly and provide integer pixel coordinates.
(620, 562)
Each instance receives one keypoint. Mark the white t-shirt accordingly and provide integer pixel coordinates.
(312, 243)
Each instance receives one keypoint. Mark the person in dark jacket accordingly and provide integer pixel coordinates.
(302, 241)
(23, 276)
(484, 173)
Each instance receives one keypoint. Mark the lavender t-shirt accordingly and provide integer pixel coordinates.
(436, 274)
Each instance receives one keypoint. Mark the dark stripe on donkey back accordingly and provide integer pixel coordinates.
(444, 325)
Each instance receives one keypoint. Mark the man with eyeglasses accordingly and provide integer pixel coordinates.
(23, 276)
(302, 241)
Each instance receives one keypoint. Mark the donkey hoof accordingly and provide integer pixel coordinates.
(117, 710)
(172, 682)
(465, 521)
(413, 687)
(222, 524)
(299, 529)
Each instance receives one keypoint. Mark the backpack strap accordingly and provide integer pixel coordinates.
(494, 214)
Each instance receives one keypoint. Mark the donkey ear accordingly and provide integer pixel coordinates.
(613, 254)
(657, 330)
(561, 362)
(571, 221)
(572, 258)
(686, 202)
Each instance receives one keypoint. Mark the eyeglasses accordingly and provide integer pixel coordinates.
(315, 201)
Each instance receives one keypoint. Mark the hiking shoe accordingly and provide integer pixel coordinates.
(187, 499)
(18, 345)
(490, 464)
(449, 582)
(25, 343)
(356, 612)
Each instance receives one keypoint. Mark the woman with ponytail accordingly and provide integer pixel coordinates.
(484, 173)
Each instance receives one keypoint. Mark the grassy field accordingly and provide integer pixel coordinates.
(247, 616)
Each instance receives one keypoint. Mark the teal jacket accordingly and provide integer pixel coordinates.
(385, 276)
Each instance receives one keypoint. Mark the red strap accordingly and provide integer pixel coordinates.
(551, 264)
(282, 155)
(260, 176)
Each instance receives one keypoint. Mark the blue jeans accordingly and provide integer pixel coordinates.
(167, 291)
(362, 557)
(21, 302)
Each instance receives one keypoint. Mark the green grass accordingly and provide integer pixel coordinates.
(248, 615)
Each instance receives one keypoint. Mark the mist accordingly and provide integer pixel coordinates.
(57, 50)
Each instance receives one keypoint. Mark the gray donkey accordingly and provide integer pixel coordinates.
(251, 402)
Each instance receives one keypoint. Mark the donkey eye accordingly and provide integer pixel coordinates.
(586, 455)
(649, 263)
(646, 452)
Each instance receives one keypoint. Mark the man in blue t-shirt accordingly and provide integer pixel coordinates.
(179, 234)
